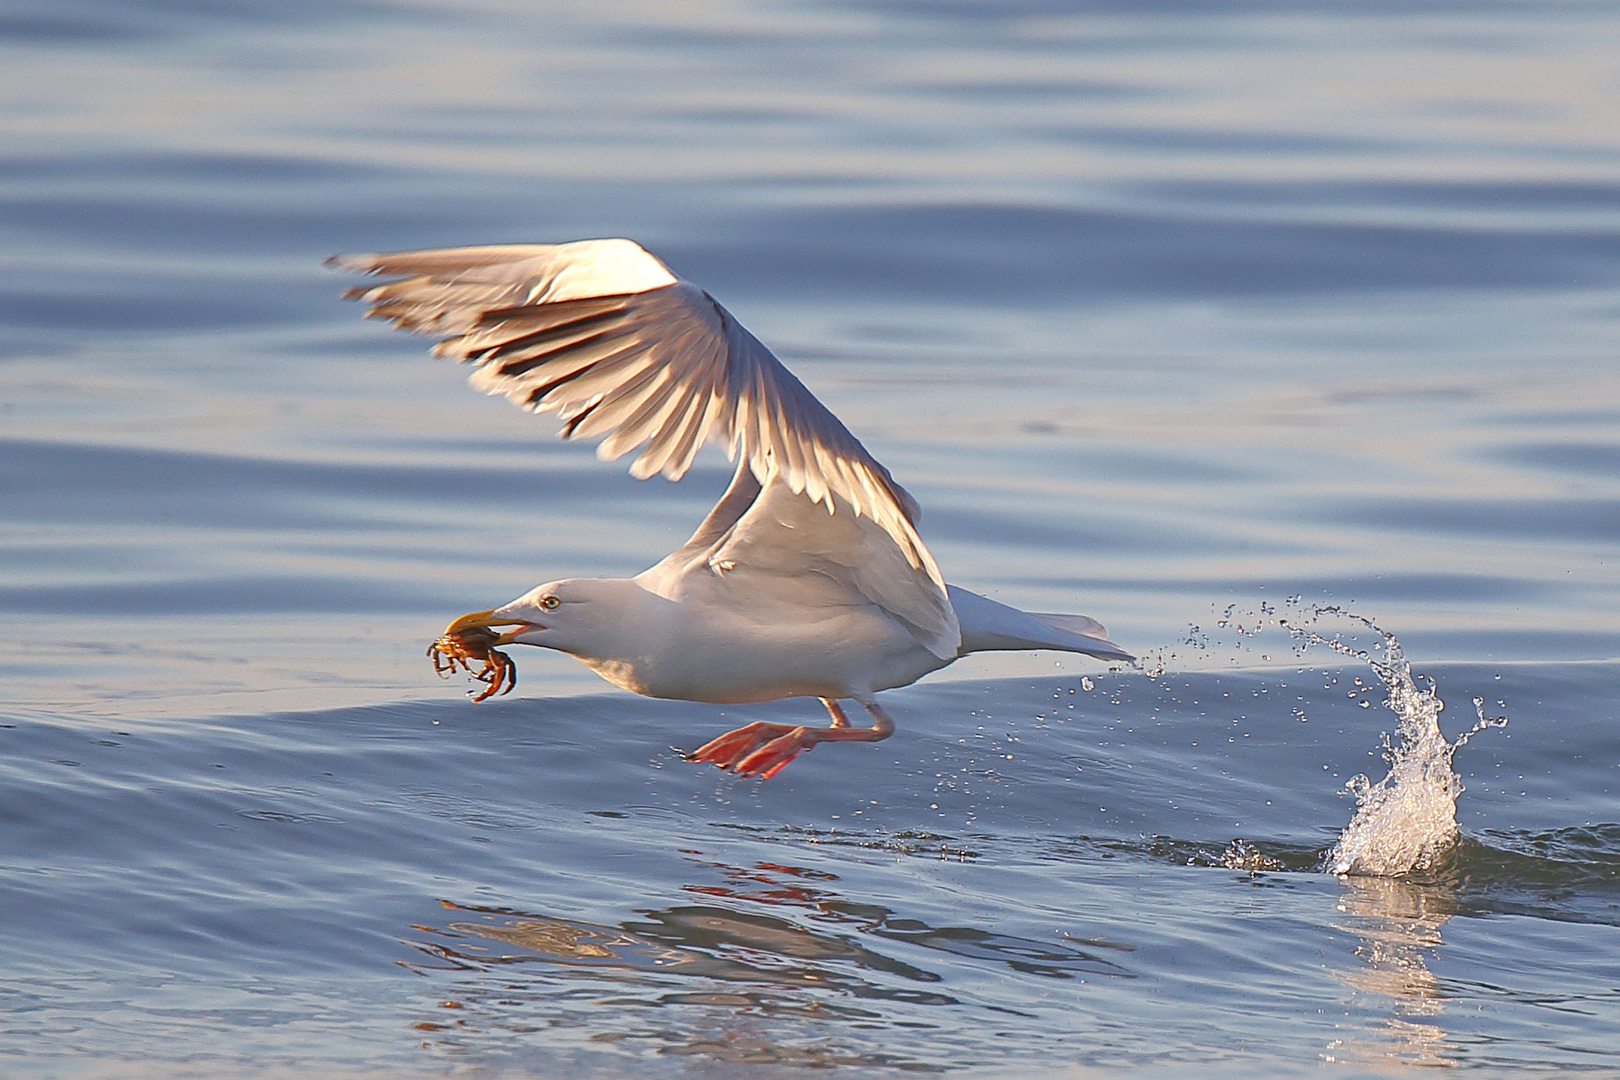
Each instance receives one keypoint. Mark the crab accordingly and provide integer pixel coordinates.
(458, 647)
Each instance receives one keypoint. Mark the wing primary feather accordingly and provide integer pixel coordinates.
(652, 423)
(790, 448)
(559, 312)
(683, 444)
(535, 397)
(517, 365)
(697, 431)
(578, 418)
(646, 425)
(573, 377)
(607, 376)
(578, 333)
(619, 402)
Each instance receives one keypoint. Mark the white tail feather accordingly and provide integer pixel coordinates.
(988, 626)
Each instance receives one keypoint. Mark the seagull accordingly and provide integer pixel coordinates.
(807, 579)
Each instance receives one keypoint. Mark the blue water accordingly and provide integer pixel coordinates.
(1160, 314)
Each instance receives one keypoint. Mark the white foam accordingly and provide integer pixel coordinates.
(1408, 820)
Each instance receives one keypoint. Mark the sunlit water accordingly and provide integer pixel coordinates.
(1164, 318)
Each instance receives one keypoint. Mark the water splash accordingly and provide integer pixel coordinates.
(1405, 823)
(1408, 820)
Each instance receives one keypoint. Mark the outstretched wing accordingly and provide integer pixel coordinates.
(600, 332)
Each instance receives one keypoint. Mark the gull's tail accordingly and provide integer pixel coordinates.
(988, 626)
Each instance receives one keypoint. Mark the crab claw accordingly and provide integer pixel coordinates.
(471, 638)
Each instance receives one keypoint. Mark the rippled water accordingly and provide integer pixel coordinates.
(1168, 318)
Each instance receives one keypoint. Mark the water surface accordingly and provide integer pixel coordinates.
(1156, 315)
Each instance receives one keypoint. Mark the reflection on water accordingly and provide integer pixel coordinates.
(715, 998)
(727, 972)
(691, 942)
(1399, 926)
(762, 884)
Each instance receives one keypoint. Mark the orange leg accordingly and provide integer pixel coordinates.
(763, 750)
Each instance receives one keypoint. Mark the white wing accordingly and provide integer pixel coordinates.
(600, 332)
(785, 545)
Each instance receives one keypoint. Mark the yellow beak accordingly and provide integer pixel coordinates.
(487, 618)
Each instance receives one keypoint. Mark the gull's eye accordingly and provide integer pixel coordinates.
(549, 602)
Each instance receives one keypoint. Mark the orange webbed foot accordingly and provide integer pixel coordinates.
(731, 749)
(774, 756)
(763, 750)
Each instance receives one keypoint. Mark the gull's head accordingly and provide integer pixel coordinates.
(569, 615)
